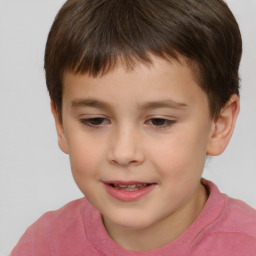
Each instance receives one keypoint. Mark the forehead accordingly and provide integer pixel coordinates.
(161, 84)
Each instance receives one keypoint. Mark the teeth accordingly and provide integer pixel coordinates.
(132, 187)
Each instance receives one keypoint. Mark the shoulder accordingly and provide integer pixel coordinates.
(63, 217)
(69, 211)
(233, 216)
(237, 218)
(233, 231)
(48, 228)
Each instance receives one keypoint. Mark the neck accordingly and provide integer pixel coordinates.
(162, 232)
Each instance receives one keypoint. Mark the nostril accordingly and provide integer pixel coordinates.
(124, 162)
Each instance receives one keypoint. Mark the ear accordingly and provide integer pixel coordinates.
(62, 141)
(223, 127)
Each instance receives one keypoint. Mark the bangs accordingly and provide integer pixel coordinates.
(113, 32)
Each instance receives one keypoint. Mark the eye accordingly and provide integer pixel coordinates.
(161, 122)
(94, 122)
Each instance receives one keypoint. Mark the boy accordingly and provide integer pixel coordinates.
(141, 92)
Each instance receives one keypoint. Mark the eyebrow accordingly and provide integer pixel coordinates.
(163, 104)
(94, 103)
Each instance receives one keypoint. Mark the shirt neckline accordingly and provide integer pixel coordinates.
(101, 241)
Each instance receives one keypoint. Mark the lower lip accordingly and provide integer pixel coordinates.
(129, 196)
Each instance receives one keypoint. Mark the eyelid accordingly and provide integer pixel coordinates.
(170, 122)
(86, 121)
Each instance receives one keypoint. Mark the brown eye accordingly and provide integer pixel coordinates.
(94, 122)
(160, 122)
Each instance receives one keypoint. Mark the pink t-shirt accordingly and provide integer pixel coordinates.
(225, 227)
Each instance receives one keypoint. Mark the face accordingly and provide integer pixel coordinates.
(137, 141)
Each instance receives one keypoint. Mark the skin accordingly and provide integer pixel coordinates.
(128, 138)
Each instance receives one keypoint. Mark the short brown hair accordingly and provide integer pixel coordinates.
(92, 36)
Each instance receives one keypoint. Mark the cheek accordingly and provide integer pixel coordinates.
(85, 157)
(183, 154)
(85, 169)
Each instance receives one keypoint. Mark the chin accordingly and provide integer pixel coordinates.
(131, 221)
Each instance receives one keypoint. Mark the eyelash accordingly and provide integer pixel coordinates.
(89, 122)
(168, 123)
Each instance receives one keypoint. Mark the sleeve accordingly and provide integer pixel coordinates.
(35, 240)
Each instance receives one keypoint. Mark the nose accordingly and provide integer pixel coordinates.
(126, 148)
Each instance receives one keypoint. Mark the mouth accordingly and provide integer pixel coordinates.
(132, 187)
(128, 191)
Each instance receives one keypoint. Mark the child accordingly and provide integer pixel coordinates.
(142, 92)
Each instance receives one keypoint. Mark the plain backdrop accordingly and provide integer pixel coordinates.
(35, 175)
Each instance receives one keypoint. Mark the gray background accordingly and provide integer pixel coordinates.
(34, 174)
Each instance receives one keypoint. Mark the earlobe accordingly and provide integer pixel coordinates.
(223, 127)
(62, 142)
